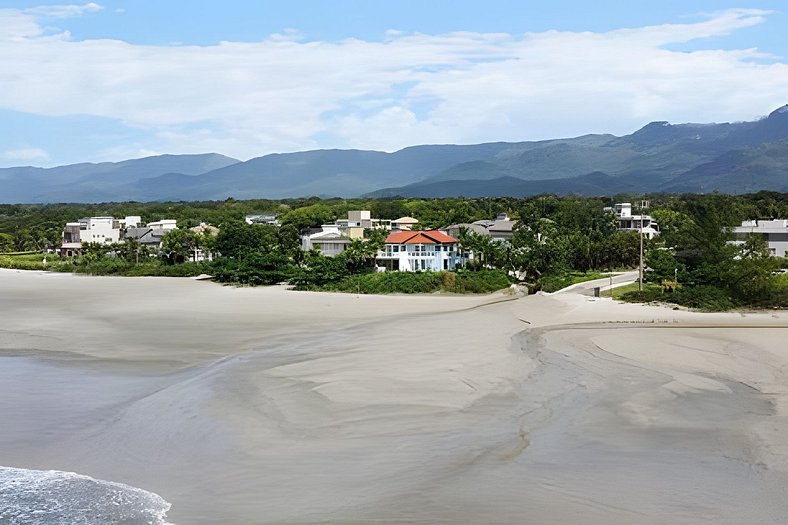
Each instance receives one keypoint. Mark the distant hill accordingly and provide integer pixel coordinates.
(591, 184)
(730, 158)
(727, 157)
(105, 181)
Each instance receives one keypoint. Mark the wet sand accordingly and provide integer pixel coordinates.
(271, 406)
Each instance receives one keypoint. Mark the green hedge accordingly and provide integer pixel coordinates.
(485, 281)
(20, 263)
(710, 298)
(105, 266)
(706, 298)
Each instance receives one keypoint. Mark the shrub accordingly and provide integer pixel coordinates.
(419, 282)
(701, 297)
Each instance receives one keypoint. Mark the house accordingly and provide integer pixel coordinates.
(262, 219)
(164, 224)
(628, 222)
(201, 253)
(774, 232)
(102, 230)
(328, 239)
(500, 229)
(358, 221)
(333, 239)
(150, 236)
(147, 237)
(404, 224)
(410, 251)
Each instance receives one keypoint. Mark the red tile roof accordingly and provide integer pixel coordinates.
(419, 237)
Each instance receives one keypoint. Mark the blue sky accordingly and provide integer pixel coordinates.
(121, 79)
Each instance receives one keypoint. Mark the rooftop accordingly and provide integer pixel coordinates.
(419, 237)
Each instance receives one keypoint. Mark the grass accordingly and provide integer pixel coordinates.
(618, 292)
(26, 261)
(553, 283)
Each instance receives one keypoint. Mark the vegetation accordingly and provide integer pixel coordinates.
(558, 241)
(553, 283)
(484, 281)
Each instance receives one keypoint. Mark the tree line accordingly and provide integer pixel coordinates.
(554, 236)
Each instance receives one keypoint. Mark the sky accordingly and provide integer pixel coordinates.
(119, 79)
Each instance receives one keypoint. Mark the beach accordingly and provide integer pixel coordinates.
(265, 405)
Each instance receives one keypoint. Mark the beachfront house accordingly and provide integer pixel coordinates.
(328, 239)
(333, 239)
(627, 221)
(774, 232)
(150, 236)
(411, 251)
(102, 230)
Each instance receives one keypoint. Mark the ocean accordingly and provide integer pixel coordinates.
(52, 497)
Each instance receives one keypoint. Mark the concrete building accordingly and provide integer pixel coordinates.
(262, 219)
(404, 224)
(332, 239)
(102, 230)
(629, 222)
(328, 239)
(164, 224)
(411, 251)
(108, 230)
(774, 232)
(358, 221)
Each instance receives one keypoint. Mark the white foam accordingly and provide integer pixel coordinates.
(65, 498)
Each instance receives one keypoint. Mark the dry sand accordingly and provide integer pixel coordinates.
(264, 405)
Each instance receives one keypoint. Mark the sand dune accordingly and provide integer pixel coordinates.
(272, 406)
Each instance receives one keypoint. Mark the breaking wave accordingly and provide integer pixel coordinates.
(51, 497)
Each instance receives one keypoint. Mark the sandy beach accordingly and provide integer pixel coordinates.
(263, 405)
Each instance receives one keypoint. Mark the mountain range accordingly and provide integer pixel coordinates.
(696, 158)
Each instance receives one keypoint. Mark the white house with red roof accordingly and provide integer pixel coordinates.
(412, 251)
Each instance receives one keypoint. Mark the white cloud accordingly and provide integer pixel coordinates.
(63, 11)
(285, 94)
(26, 155)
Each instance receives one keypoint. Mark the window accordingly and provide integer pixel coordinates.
(396, 248)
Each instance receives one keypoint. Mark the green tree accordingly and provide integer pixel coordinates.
(289, 241)
(6, 242)
(176, 245)
(751, 277)
(309, 216)
(236, 239)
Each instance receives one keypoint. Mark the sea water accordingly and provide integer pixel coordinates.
(51, 497)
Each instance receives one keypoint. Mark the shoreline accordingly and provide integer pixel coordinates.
(333, 408)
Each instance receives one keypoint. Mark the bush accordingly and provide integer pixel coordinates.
(702, 297)
(254, 270)
(486, 281)
(19, 263)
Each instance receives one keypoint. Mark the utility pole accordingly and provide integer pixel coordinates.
(643, 206)
(640, 267)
